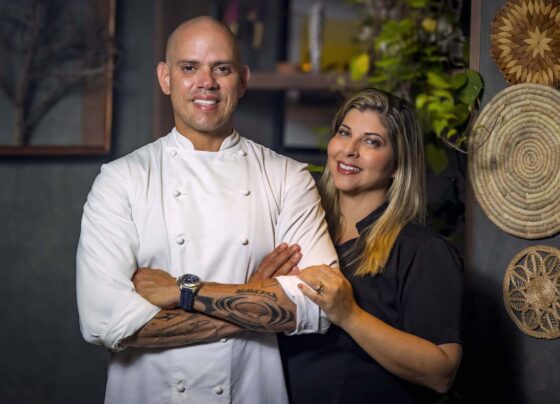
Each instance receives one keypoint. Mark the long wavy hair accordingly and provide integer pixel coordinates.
(406, 197)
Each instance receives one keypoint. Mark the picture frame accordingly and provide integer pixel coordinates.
(56, 88)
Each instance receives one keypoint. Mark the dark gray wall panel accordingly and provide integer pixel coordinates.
(500, 363)
(43, 358)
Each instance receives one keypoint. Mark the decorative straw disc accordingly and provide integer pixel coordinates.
(531, 291)
(514, 160)
(525, 41)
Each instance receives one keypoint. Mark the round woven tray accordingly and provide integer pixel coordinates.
(531, 291)
(514, 160)
(525, 41)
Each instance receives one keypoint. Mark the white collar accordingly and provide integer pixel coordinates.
(183, 142)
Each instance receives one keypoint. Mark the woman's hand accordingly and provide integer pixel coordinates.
(330, 290)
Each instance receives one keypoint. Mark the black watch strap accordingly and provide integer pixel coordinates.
(187, 299)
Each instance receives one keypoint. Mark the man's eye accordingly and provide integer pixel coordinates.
(187, 68)
(223, 69)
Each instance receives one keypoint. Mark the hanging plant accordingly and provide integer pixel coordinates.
(416, 49)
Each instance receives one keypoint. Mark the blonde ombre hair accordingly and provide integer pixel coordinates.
(406, 195)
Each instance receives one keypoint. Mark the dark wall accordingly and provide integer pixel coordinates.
(501, 364)
(43, 358)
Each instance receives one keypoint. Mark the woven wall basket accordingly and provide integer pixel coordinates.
(525, 41)
(531, 291)
(514, 160)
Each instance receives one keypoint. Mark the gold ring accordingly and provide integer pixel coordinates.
(319, 288)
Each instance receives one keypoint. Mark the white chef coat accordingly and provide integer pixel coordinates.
(213, 214)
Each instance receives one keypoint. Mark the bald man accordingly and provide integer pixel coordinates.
(172, 236)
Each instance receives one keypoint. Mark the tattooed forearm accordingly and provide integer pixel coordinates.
(257, 292)
(263, 307)
(170, 328)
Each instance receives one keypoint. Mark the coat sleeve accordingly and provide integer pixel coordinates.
(109, 308)
(302, 221)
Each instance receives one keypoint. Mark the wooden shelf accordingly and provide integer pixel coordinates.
(295, 81)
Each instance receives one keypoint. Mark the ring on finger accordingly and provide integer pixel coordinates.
(319, 288)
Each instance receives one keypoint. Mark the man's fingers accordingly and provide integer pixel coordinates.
(290, 262)
(279, 262)
(294, 271)
(272, 256)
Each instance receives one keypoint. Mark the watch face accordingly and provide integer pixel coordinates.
(189, 280)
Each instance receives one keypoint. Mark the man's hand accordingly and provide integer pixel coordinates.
(158, 287)
(282, 261)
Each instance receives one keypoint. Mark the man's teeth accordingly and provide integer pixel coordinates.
(205, 102)
(349, 168)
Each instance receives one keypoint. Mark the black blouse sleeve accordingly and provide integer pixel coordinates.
(432, 294)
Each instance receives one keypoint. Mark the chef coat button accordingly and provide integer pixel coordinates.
(218, 390)
(176, 193)
(246, 192)
(173, 153)
(223, 339)
(242, 153)
(244, 241)
(180, 240)
(181, 387)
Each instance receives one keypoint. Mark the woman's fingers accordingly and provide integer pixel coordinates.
(309, 293)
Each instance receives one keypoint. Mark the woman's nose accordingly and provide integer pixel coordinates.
(352, 148)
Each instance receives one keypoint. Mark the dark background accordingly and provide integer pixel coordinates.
(43, 358)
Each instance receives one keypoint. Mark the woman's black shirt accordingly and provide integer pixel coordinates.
(419, 291)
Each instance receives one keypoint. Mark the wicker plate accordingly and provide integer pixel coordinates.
(514, 160)
(525, 41)
(531, 291)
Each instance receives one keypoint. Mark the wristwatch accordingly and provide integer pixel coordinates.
(189, 285)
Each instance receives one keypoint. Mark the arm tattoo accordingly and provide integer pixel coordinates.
(171, 328)
(256, 309)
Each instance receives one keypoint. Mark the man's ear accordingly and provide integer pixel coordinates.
(244, 79)
(163, 77)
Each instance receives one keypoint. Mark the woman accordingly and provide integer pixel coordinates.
(395, 304)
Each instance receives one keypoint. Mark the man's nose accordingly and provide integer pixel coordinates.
(206, 80)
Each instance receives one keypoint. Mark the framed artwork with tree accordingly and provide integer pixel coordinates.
(56, 76)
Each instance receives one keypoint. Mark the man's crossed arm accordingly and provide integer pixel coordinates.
(222, 310)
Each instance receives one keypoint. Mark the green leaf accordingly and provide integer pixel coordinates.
(421, 100)
(359, 66)
(461, 113)
(458, 81)
(436, 158)
(417, 3)
(472, 88)
(450, 133)
(439, 106)
(312, 168)
(438, 80)
(387, 62)
(439, 125)
(379, 78)
(444, 94)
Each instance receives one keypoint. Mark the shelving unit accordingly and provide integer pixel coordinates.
(297, 81)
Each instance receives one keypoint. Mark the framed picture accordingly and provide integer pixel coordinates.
(309, 111)
(56, 76)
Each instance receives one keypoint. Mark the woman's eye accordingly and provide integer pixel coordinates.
(373, 142)
(343, 132)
